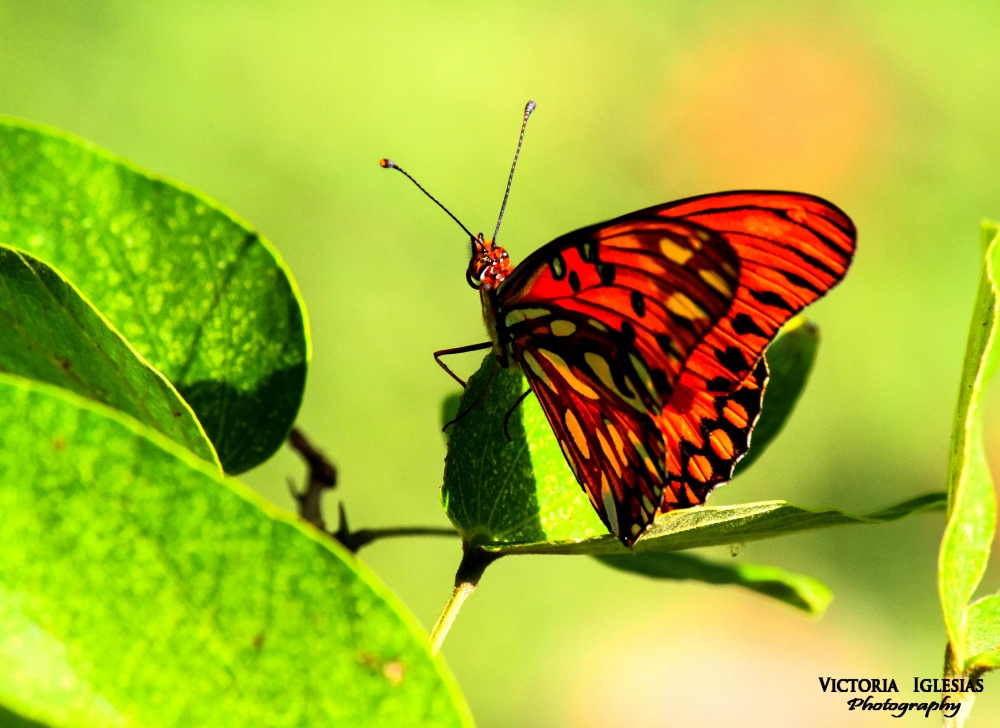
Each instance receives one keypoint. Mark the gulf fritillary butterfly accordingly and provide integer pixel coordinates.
(643, 336)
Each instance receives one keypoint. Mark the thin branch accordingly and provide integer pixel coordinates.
(354, 540)
(323, 477)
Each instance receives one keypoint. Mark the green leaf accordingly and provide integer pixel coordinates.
(718, 525)
(52, 334)
(497, 491)
(450, 409)
(965, 547)
(802, 592)
(982, 631)
(13, 720)
(790, 359)
(199, 294)
(140, 587)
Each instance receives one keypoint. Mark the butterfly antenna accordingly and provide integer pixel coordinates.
(524, 124)
(389, 164)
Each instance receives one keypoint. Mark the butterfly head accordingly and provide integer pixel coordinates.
(489, 265)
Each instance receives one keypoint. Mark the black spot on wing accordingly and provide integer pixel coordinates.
(732, 359)
(667, 345)
(638, 304)
(743, 324)
(607, 273)
(574, 281)
(717, 384)
(628, 335)
(770, 298)
(661, 382)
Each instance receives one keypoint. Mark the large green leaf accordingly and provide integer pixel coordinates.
(10, 719)
(522, 491)
(965, 547)
(52, 334)
(197, 292)
(139, 587)
(801, 592)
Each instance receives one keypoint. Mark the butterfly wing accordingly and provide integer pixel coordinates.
(793, 248)
(602, 321)
(707, 437)
(615, 449)
(668, 282)
(643, 340)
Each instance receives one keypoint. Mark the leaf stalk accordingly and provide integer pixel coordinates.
(953, 670)
(470, 571)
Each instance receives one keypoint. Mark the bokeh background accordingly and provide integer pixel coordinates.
(282, 110)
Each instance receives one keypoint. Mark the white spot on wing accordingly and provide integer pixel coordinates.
(523, 314)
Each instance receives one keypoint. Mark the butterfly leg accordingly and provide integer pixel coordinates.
(479, 399)
(506, 418)
(458, 350)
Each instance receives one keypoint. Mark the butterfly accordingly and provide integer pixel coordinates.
(643, 336)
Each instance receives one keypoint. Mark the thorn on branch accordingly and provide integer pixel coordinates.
(343, 532)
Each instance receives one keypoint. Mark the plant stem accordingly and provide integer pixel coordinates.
(470, 570)
(354, 540)
(458, 596)
(322, 477)
(952, 670)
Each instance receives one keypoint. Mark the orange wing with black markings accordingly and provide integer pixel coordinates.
(706, 436)
(643, 338)
(601, 321)
(793, 248)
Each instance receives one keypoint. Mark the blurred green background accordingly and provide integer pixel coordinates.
(282, 110)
